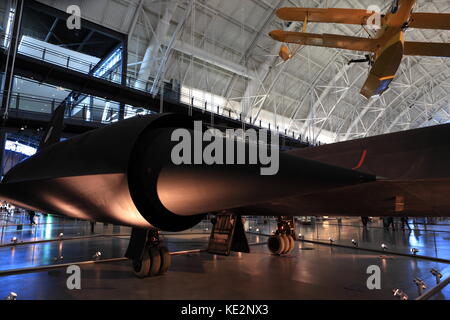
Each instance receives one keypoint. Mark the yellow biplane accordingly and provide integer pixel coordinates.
(386, 48)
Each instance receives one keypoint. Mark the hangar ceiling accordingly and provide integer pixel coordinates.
(222, 47)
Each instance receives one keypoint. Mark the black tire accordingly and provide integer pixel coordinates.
(291, 243)
(166, 260)
(275, 244)
(285, 240)
(155, 259)
(141, 268)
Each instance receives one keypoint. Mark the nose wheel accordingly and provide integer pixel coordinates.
(148, 256)
(155, 261)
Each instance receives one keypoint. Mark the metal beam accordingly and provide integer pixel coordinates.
(168, 49)
(135, 18)
(248, 51)
(50, 32)
(382, 112)
(254, 86)
(213, 59)
(324, 94)
(154, 47)
(85, 40)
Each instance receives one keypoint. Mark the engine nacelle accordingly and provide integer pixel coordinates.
(101, 175)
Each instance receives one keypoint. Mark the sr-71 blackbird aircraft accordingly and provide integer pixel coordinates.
(386, 49)
(123, 174)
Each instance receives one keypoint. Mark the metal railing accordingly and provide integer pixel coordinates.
(28, 105)
(167, 92)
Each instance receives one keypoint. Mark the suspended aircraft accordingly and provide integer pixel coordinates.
(385, 49)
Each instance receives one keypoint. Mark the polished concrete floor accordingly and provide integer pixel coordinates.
(311, 271)
(432, 240)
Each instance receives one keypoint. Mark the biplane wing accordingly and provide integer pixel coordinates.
(430, 49)
(326, 40)
(420, 20)
(329, 15)
(430, 21)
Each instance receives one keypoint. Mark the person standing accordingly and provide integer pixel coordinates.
(391, 222)
(404, 221)
(92, 226)
(31, 215)
(364, 221)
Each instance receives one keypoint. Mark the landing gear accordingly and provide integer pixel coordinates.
(148, 257)
(282, 242)
(367, 58)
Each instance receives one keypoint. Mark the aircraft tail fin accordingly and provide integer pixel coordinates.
(53, 132)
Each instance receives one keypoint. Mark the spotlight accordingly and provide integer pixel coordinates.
(420, 285)
(384, 247)
(61, 235)
(437, 275)
(58, 258)
(14, 240)
(11, 296)
(331, 240)
(355, 243)
(300, 236)
(97, 255)
(414, 251)
(400, 294)
(257, 230)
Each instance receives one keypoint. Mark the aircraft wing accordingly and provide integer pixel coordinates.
(325, 40)
(379, 198)
(413, 164)
(330, 15)
(429, 49)
(430, 21)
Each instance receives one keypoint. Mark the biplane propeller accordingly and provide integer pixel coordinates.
(386, 49)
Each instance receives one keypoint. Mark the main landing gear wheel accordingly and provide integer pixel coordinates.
(284, 238)
(291, 243)
(141, 268)
(165, 260)
(155, 261)
(275, 244)
(280, 244)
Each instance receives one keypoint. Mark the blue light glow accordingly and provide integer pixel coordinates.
(109, 63)
(18, 147)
